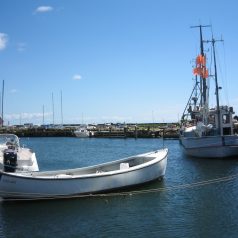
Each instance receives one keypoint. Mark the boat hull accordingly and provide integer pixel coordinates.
(81, 135)
(20, 186)
(210, 146)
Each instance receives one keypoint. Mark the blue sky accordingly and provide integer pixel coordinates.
(114, 60)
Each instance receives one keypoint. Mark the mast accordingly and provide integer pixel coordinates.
(203, 83)
(61, 107)
(217, 88)
(215, 68)
(195, 99)
(43, 115)
(53, 109)
(213, 41)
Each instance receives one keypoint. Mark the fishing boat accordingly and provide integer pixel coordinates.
(13, 157)
(104, 177)
(205, 131)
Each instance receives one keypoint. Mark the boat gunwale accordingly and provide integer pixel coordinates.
(53, 177)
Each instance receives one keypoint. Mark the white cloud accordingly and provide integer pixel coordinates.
(77, 77)
(27, 116)
(3, 41)
(43, 9)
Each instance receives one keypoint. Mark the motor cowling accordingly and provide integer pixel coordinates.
(10, 160)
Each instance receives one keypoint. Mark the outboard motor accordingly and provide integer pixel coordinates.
(10, 160)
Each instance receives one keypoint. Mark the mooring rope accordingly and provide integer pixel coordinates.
(134, 192)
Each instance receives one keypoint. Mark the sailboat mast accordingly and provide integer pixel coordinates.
(2, 100)
(43, 115)
(61, 107)
(53, 109)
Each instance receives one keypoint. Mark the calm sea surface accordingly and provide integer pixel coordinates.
(202, 211)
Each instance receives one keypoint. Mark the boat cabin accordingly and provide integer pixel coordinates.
(223, 117)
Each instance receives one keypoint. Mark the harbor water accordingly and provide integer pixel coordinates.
(187, 203)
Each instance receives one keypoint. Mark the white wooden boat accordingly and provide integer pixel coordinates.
(207, 132)
(13, 157)
(104, 177)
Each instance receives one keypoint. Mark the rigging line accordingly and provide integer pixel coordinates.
(225, 72)
(212, 75)
(222, 76)
(135, 192)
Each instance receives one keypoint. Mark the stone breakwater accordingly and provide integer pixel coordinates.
(126, 132)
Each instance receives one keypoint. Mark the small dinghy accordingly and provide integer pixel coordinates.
(131, 171)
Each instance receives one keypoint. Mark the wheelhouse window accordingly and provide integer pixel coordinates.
(225, 118)
(211, 119)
